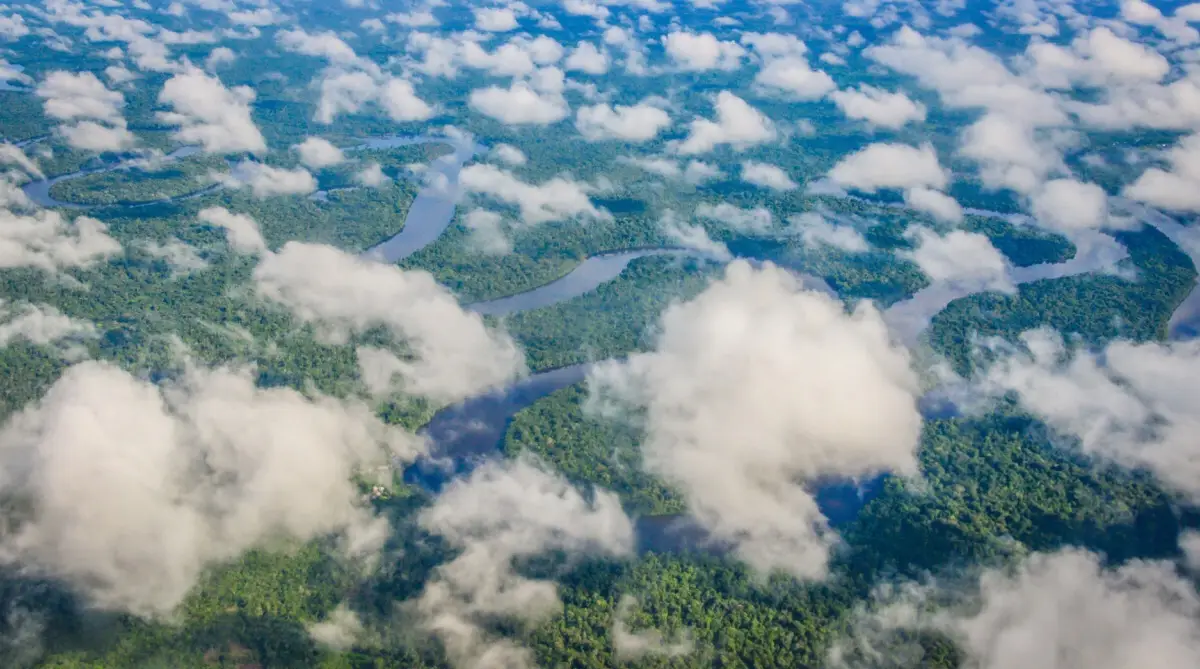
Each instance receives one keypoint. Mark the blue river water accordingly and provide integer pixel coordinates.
(465, 433)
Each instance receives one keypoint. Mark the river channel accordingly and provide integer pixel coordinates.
(465, 433)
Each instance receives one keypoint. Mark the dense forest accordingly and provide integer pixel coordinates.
(993, 485)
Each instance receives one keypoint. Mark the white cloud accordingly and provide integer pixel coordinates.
(767, 176)
(325, 45)
(453, 354)
(585, 8)
(959, 258)
(630, 646)
(1067, 204)
(131, 491)
(209, 114)
(1008, 153)
(495, 19)
(890, 165)
(692, 236)
(878, 107)
(11, 154)
(694, 172)
(967, 76)
(96, 111)
(588, 59)
(92, 136)
(40, 324)
(267, 181)
(775, 45)
(400, 102)
(556, 199)
(793, 74)
(348, 92)
(47, 241)
(699, 52)
(318, 153)
(636, 123)
(417, 18)
(1062, 609)
(756, 221)
(1137, 405)
(755, 387)
(241, 230)
(13, 27)
(737, 124)
(507, 153)
(219, 57)
(119, 74)
(935, 203)
(520, 104)
(815, 231)
(181, 258)
(371, 176)
(1099, 58)
(70, 96)
(504, 511)
(1177, 188)
(487, 232)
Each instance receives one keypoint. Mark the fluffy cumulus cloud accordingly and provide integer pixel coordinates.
(47, 241)
(959, 258)
(93, 112)
(587, 58)
(520, 56)
(487, 232)
(816, 231)
(1178, 188)
(504, 511)
(1067, 205)
(266, 181)
(132, 490)
(318, 153)
(737, 124)
(631, 646)
(209, 114)
(40, 324)
(1009, 153)
(785, 67)
(878, 107)
(755, 388)
(69, 96)
(557, 199)
(793, 75)
(349, 92)
(886, 165)
(755, 221)
(635, 123)
(1017, 141)
(507, 153)
(537, 102)
(325, 45)
(241, 230)
(449, 353)
(766, 175)
(1062, 609)
(694, 172)
(94, 136)
(495, 19)
(698, 52)
(1137, 405)
(1097, 58)
(692, 237)
(935, 203)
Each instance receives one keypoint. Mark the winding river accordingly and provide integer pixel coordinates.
(465, 433)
